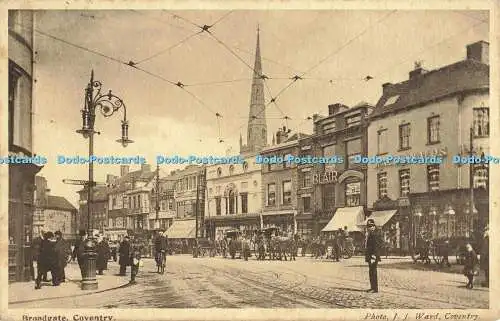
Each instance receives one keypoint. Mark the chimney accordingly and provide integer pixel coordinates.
(417, 71)
(123, 170)
(479, 51)
(279, 134)
(282, 135)
(110, 178)
(336, 108)
(386, 87)
(145, 168)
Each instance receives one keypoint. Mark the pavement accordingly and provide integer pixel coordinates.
(25, 293)
(304, 283)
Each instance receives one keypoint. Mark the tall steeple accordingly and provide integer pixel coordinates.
(257, 127)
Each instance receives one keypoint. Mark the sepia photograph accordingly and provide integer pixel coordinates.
(248, 159)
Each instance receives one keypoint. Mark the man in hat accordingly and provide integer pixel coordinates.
(124, 252)
(485, 257)
(63, 251)
(372, 254)
(79, 250)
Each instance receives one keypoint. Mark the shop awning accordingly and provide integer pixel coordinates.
(346, 216)
(284, 212)
(381, 217)
(182, 230)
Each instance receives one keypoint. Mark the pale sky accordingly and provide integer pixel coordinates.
(341, 46)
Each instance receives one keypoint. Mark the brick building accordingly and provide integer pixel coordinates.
(337, 190)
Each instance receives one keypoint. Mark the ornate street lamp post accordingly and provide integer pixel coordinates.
(448, 212)
(107, 104)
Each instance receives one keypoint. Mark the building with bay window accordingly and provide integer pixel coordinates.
(433, 116)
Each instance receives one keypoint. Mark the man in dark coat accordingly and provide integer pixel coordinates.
(124, 252)
(79, 250)
(135, 260)
(372, 254)
(47, 261)
(103, 255)
(63, 251)
(485, 257)
(36, 245)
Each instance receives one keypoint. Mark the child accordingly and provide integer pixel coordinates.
(135, 261)
(470, 265)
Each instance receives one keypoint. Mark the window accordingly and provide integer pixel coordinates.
(433, 177)
(264, 135)
(306, 204)
(219, 172)
(433, 129)
(391, 100)
(328, 196)
(329, 127)
(287, 192)
(232, 202)
(480, 175)
(218, 206)
(382, 185)
(382, 141)
(113, 200)
(353, 120)
(13, 85)
(170, 204)
(244, 202)
(231, 170)
(163, 206)
(353, 148)
(404, 136)
(269, 167)
(285, 158)
(404, 183)
(245, 166)
(481, 122)
(271, 194)
(306, 179)
(352, 194)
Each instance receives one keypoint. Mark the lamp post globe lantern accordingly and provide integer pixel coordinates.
(107, 104)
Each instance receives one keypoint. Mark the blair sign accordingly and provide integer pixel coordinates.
(325, 178)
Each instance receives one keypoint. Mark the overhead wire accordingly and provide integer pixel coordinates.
(162, 21)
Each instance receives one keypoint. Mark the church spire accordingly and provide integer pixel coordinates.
(257, 127)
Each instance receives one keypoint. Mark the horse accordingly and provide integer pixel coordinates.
(161, 261)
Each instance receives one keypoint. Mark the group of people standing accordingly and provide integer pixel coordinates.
(51, 252)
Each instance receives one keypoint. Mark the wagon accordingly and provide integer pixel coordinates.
(203, 247)
(237, 245)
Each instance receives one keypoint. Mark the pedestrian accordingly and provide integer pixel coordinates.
(103, 255)
(372, 254)
(63, 251)
(135, 262)
(470, 265)
(485, 257)
(47, 261)
(78, 251)
(124, 252)
(337, 246)
(36, 245)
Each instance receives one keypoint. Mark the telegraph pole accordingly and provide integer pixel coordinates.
(157, 208)
(471, 182)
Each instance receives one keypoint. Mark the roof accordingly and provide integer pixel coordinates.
(59, 203)
(462, 76)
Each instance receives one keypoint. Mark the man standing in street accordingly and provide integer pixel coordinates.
(135, 261)
(78, 251)
(36, 247)
(372, 254)
(124, 252)
(484, 260)
(63, 251)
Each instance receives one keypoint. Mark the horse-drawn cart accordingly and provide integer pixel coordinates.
(237, 244)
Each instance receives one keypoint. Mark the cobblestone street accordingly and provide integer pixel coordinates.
(305, 283)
